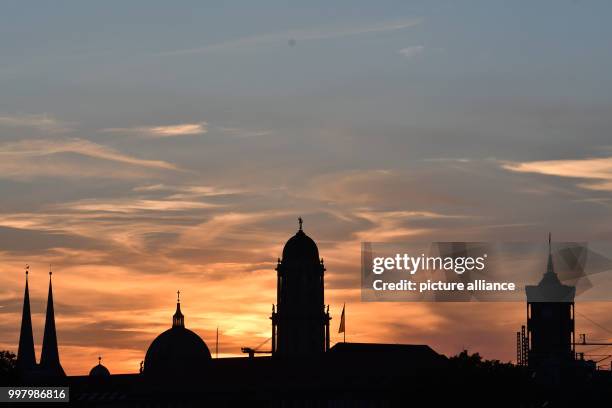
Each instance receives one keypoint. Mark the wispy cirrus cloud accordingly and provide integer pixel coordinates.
(184, 191)
(597, 169)
(321, 33)
(411, 51)
(134, 205)
(241, 132)
(46, 147)
(47, 157)
(181, 129)
(42, 122)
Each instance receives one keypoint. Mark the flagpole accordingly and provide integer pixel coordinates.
(342, 328)
(217, 344)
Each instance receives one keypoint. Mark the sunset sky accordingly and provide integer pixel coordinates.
(147, 147)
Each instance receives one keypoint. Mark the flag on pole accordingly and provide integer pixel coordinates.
(342, 321)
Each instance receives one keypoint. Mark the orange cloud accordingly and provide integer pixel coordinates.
(599, 169)
(181, 129)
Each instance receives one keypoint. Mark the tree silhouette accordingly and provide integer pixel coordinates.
(8, 367)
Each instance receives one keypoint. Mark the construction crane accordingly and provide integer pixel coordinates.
(251, 351)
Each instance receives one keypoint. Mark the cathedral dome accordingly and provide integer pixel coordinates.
(301, 248)
(176, 353)
(99, 370)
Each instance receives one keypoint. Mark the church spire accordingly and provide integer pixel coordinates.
(26, 359)
(178, 320)
(49, 359)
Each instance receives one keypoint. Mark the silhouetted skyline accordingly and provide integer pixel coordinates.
(147, 148)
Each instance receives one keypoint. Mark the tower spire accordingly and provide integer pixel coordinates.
(26, 359)
(549, 239)
(49, 358)
(550, 267)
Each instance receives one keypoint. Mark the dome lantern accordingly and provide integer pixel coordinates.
(178, 320)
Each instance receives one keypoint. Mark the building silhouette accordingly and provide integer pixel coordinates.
(300, 323)
(99, 371)
(49, 357)
(177, 355)
(49, 368)
(550, 321)
(546, 347)
(303, 369)
(26, 358)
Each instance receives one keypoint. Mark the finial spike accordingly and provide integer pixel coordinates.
(549, 244)
(50, 271)
(27, 270)
(300, 221)
(178, 296)
(99, 360)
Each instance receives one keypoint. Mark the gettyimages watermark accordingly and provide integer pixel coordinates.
(486, 271)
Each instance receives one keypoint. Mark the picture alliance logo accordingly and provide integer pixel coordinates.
(412, 264)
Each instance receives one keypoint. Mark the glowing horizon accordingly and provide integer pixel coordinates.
(173, 147)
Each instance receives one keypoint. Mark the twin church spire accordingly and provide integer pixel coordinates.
(26, 359)
(49, 359)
